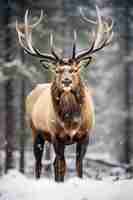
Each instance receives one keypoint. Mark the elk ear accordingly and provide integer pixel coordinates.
(87, 61)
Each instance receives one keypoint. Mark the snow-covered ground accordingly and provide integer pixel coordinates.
(15, 186)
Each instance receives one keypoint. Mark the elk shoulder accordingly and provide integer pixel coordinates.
(39, 108)
(33, 97)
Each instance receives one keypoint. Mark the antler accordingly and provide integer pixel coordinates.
(100, 39)
(25, 39)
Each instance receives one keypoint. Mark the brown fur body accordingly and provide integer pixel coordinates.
(66, 116)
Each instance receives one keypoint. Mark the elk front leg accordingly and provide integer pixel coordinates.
(38, 152)
(81, 149)
(59, 163)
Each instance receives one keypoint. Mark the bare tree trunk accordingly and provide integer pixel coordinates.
(128, 73)
(8, 34)
(10, 122)
(122, 15)
(129, 81)
(10, 126)
(22, 127)
(1, 169)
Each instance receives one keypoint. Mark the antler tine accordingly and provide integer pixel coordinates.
(39, 20)
(25, 38)
(109, 27)
(87, 51)
(99, 28)
(74, 45)
(85, 18)
(103, 35)
(21, 36)
(103, 30)
(28, 33)
(52, 48)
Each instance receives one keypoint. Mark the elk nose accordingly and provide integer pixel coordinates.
(66, 81)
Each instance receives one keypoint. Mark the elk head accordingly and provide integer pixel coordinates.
(67, 69)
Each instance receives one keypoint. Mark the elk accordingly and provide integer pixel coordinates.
(62, 112)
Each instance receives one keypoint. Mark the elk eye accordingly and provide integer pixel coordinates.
(71, 70)
(56, 71)
(59, 71)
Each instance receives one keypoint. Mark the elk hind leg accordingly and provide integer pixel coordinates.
(38, 152)
(59, 163)
(81, 149)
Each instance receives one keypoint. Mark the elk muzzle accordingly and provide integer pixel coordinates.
(66, 82)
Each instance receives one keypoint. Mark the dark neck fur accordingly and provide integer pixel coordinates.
(67, 105)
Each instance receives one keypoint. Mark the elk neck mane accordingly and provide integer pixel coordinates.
(68, 105)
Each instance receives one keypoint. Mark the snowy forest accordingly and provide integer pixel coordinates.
(110, 151)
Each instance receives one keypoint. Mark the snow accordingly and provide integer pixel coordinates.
(15, 186)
